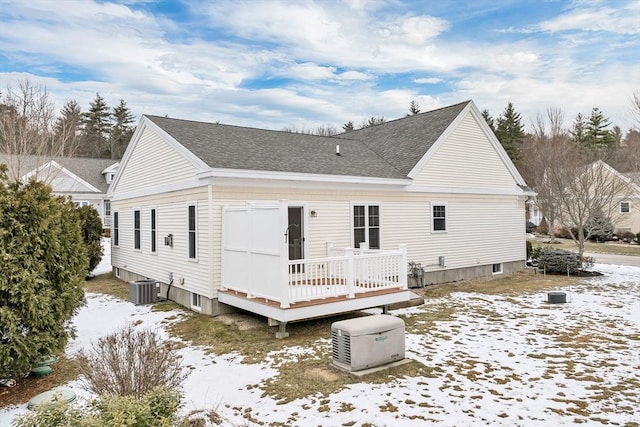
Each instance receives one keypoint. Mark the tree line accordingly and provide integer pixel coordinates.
(30, 125)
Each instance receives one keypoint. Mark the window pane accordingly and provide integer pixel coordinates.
(439, 218)
(153, 230)
(358, 216)
(136, 229)
(192, 231)
(374, 238)
(116, 230)
(358, 237)
(374, 216)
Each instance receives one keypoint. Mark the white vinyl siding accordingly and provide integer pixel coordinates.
(154, 163)
(466, 160)
(171, 218)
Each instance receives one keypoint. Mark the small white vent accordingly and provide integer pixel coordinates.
(367, 342)
(143, 291)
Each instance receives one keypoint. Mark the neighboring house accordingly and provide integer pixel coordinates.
(293, 226)
(629, 205)
(532, 212)
(84, 180)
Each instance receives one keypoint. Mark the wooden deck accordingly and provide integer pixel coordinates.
(312, 308)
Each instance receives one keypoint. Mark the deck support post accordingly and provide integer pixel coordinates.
(385, 309)
(282, 331)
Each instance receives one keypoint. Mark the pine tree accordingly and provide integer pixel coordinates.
(578, 131)
(596, 130)
(489, 120)
(348, 127)
(122, 130)
(414, 108)
(96, 128)
(510, 132)
(43, 265)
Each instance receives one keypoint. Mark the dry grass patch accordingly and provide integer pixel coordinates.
(602, 248)
(108, 284)
(516, 284)
(64, 370)
(315, 375)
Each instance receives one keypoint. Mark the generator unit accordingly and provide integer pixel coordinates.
(144, 291)
(367, 342)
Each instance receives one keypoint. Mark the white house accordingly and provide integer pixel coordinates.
(84, 180)
(294, 226)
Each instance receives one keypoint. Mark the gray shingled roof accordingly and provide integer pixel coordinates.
(389, 150)
(403, 142)
(88, 169)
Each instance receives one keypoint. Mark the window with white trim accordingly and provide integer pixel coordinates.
(625, 207)
(196, 301)
(107, 207)
(497, 268)
(193, 237)
(136, 229)
(366, 225)
(81, 203)
(153, 231)
(116, 229)
(438, 217)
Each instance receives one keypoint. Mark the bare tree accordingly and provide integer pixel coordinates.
(26, 125)
(583, 192)
(545, 149)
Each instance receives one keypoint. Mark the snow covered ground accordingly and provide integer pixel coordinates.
(499, 361)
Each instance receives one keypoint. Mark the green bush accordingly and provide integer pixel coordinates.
(91, 229)
(554, 260)
(157, 408)
(638, 238)
(599, 229)
(42, 269)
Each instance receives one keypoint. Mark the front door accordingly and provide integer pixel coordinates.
(295, 233)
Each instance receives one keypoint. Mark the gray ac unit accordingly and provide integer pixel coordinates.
(367, 342)
(143, 291)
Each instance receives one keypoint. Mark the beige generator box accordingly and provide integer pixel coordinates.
(367, 342)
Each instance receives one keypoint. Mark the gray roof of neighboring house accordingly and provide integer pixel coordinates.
(389, 150)
(88, 169)
(634, 176)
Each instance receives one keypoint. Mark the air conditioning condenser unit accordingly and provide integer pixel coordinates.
(144, 291)
(367, 342)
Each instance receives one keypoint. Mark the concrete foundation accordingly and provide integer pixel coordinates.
(208, 306)
(445, 276)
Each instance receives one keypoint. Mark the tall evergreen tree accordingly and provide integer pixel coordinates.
(414, 108)
(578, 131)
(122, 130)
(489, 120)
(43, 264)
(510, 132)
(67, 128)
(597, 133)
(96, 128)
(348, 127)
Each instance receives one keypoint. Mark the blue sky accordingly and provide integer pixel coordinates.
(303, 64)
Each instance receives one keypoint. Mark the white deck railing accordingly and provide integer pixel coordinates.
(346, 275)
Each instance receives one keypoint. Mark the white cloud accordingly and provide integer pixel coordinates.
(428, 80)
